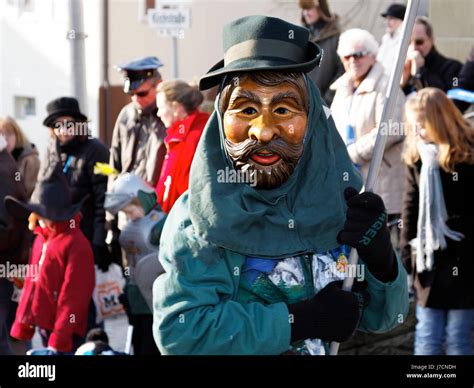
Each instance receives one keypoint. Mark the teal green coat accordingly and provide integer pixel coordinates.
(201, 303)
(198, 305)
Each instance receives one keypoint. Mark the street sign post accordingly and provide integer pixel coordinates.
(171, 19)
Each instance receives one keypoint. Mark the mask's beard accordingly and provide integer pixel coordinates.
(260, 176)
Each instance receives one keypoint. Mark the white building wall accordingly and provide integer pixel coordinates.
(35, 54)
(35, 60)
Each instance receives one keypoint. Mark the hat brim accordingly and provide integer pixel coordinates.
(385, 14)
(132, 85)
(113, 203)
(49, 121)
(21, 210)
(214, 76)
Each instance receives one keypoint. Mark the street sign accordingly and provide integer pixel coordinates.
(169, 18)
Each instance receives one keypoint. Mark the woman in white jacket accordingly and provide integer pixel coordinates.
(357, 109)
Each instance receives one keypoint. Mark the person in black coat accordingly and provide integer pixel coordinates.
(14, 244)
(424, 65)
(79, 154)
(437, 240)
(324, 30)
(466, 81)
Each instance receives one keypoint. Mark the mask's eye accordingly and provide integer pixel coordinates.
(281, 110)
(249, 111)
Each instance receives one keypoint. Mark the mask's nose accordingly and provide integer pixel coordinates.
(263, 129)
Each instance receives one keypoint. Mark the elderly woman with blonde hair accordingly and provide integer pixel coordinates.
(24, 152)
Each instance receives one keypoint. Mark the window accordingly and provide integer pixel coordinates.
(24, 107)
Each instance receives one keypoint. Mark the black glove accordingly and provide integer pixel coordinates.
(102, 257)
(366, 230)
(331, 315)
(112, 241)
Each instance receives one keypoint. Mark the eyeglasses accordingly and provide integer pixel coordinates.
(356, 55)
(418, 42)
(141, 94)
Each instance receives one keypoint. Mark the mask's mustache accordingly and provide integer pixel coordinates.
(241, 152)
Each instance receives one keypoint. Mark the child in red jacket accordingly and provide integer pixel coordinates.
(60, 277)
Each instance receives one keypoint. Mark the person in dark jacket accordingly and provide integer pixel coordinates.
(79, 154)
(462, 99)
(138, 136)
(13, 244)
(424, 65)
(438, 222)
(324, 30)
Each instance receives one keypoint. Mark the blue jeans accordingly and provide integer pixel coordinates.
(436, 327)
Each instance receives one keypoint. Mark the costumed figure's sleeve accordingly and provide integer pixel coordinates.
(388, 305)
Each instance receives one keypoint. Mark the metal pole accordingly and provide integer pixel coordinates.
(76, 36)
(175, 56)
(105, 68)
(387, 113)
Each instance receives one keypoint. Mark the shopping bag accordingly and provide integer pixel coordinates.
(108, 287)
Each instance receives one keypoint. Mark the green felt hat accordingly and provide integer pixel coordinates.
(256, 43)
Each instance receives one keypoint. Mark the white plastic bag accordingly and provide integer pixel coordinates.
(108, 287)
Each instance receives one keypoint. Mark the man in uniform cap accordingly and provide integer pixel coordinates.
(137, 140)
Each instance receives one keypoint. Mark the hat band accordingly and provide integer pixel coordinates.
(264, 48)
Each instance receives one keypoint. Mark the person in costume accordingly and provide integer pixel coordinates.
(59, 284)
(253, 265)
(139, 239)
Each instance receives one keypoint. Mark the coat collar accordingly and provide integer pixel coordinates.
(368, 85)
(60, 227)
(180, 129)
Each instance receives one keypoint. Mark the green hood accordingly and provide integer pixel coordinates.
(303, 215)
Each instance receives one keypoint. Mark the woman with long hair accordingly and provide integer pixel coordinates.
(438, 222)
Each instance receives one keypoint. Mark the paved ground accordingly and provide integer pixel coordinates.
(116, 328)
(397, 342)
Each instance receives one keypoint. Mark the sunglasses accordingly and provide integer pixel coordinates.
(356, 55)
(141, 94)
(419, 42)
